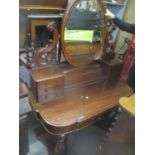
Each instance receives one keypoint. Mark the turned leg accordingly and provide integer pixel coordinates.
(60, 147)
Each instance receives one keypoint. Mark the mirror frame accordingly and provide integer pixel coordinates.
(69, 9)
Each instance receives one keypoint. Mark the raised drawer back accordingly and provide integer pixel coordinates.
(48, 85)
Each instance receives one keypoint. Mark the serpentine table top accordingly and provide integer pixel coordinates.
(79, 109)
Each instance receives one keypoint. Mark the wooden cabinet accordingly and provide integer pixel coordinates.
(112, 70)
(56, 3)
(34, 17)
(51, 84)
(39, 14)
(47, 88)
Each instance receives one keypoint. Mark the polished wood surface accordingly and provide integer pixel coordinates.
(79, 109)
(40, 7)
(112, 68)
(56, 3)
(51, 83)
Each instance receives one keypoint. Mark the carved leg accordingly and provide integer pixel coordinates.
(60, 147)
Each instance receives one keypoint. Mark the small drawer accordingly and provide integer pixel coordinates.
(49, 97)
(51, 84)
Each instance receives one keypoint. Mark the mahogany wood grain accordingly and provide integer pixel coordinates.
(49, 84)
(57, 3)
(112, 68)
(79, 109)
(40, 7)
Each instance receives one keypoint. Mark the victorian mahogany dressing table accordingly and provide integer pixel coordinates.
(67, 97)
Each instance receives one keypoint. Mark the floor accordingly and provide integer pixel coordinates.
(88, 141)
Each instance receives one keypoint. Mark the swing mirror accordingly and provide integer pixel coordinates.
(83, 32)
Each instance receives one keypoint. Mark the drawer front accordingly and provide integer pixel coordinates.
(48, 84)
(47, 97)
(50, 90)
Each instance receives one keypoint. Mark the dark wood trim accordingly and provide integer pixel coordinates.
(52, 3)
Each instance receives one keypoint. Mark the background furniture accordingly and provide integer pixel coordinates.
(58, 3)
(35, 15)
(24, 108)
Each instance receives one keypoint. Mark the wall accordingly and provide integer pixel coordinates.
(129, 16)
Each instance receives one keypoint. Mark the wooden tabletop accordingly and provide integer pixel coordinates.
(79, 108)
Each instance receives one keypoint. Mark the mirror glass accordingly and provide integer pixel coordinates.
(84, 32)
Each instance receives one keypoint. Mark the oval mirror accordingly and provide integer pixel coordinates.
(83, 32)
